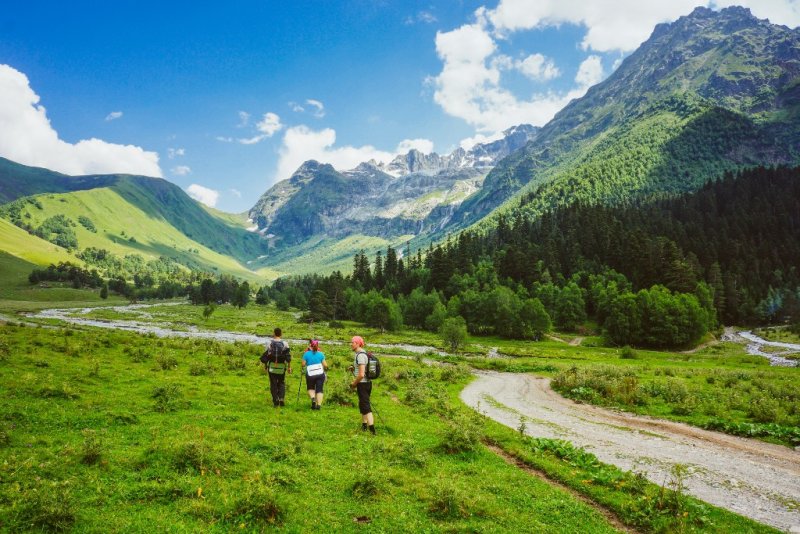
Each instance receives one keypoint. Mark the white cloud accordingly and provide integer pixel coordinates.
(619, 24)
(113, 115)
(786, 12)
(236, 193)
(423, 145)
(319, 108)
(297, 108)
(202, 194)
(469, 86)
(590, 72)
(27, 137)
(538, 67)
(244, 119)
(222, 139)
(173, 153)
(300, 144)
(268, 126)
(181, 170)
(425, 17)
(470, 142)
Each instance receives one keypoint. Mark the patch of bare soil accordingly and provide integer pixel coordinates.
(749, 477)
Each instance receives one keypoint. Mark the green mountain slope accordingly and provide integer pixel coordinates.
(712, 92)
(126, 215)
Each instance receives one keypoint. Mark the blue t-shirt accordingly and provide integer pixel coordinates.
(311, 357)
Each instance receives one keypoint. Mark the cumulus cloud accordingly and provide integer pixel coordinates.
(27, 137)
(181, 170)
(538, 67)
(469, 86)
(173, 153)
(267, 126)
(618, 24)
(301, 143)
(423, 145)
(113, 115)
(202, 194)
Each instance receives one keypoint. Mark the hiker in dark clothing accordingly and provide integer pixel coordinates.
(279, 362)
(361, 383)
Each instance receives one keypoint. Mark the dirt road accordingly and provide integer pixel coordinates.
(749, 477)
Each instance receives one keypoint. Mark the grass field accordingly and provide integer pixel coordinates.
(114, 432)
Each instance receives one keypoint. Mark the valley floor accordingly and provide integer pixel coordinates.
(752, 478)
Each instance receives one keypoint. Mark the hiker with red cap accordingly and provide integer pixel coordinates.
(315, 366)
(361, 383)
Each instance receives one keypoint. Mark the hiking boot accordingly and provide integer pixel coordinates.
(313, 405)
(282, 403)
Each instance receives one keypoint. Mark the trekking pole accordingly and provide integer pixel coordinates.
(299, 385)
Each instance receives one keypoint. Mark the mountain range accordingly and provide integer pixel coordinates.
(714, 91)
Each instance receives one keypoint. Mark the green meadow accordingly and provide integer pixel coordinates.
(107, 431)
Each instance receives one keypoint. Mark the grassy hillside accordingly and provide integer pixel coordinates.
(121, 228)
(324, 255)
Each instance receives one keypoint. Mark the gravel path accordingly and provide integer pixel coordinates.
(755, 479)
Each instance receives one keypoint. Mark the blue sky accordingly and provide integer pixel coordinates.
(224, 99)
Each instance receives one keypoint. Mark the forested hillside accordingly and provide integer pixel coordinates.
(656, 273)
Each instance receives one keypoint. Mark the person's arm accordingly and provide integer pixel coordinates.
(324, 363)
(361, 371)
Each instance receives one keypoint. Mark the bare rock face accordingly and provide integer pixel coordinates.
(411, 194)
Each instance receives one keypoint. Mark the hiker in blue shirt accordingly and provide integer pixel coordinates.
(315, 366)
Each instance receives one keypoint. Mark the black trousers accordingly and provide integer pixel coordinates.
(364, 390)
(277, 387)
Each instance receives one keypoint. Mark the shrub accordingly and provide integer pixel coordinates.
(366, 486)
(166, 362)
(235, 362)
(48, 508)
(628, 353)
(462, 434)
(259, 504)
(447, 502)
(92, 449)
(454, 373)
(167, 398)
(197, 368)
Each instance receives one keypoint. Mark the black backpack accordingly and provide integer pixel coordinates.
(373, 368)
(278, 352)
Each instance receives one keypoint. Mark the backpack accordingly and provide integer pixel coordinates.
(373, 368)
(278, 352)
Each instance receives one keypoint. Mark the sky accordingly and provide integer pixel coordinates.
(225, 99)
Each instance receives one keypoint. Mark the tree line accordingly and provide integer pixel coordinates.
(659, 272)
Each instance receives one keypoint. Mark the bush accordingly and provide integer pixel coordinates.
(462, 434)
(201, 368)
(453, 333)
(628, 353)
(92, 449)
(447, 502)
(258, 504)
(166, 362)
(167, 398)
(48, 508)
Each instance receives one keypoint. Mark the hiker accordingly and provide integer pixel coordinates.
(315, 367)
(361, 383)
(278, 363)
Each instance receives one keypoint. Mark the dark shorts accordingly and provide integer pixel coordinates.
(317, 383)
(364, 390)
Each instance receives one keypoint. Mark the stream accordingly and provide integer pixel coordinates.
(72, 316)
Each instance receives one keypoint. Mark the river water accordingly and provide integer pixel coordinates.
(73, 316)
